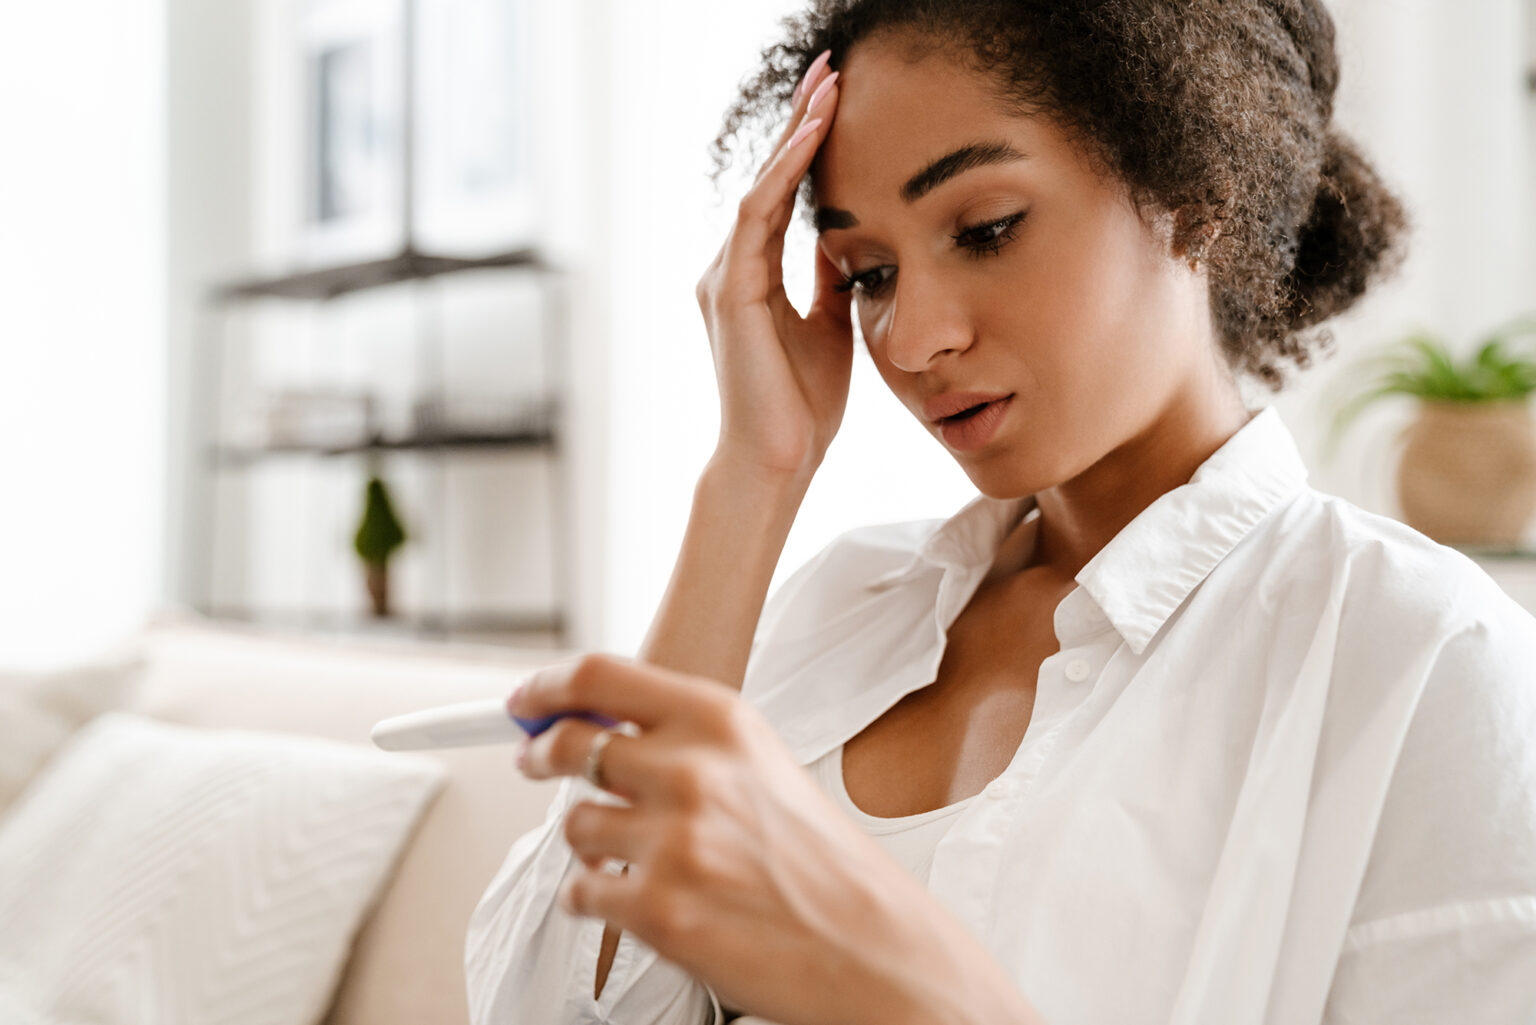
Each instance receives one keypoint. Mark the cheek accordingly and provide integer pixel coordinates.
(1097, 296)
(874, 318)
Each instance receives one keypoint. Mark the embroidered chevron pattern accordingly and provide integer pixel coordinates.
(155, 874)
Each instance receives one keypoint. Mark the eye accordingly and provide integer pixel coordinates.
(986, 239)
(978, 240)
(862, 282)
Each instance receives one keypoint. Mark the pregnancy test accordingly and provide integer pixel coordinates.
(467, 724)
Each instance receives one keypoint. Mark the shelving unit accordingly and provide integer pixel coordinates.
(539, 433)
(435, 437)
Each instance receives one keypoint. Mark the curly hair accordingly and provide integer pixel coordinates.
(1216, 111)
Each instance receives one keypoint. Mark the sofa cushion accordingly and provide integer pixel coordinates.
(407, 966)
(155, 873)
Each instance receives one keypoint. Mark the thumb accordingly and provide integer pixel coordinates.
(828, 302)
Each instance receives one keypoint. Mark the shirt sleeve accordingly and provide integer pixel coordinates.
(527, 960)
(1445, 923)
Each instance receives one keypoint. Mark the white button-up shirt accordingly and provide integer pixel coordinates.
(1282, 770)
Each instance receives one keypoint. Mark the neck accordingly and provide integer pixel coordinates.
(1078, 517)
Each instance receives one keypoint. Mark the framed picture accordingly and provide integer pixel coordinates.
(474, 125)
(352, 56)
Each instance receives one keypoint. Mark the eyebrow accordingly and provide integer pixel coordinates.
(958, 161)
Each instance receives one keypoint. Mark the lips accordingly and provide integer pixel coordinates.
(936, 409)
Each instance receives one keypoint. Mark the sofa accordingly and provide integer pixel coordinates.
(402, 959)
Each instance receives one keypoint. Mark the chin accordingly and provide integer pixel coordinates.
(1009, 471)
(1001, 481)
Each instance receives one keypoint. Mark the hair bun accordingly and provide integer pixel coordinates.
(1353, 236)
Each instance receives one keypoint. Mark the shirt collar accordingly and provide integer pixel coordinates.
(1146, 570)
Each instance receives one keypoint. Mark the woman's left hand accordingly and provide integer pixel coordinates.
(741, 870)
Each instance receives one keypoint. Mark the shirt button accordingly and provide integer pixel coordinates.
(1078, 670)
(999, 789)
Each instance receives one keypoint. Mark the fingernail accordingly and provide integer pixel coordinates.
(805, 129)
(522, 754)
(812, 71)
(821, 91)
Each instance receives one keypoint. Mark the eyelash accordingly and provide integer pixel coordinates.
(990, 247)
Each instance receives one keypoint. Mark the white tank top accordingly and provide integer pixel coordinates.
(910, 839)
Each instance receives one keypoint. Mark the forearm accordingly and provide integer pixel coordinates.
(736, 533)
(980, 998)
(708, 616)
(906, 959)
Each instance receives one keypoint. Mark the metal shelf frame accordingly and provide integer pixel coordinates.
(321, 288)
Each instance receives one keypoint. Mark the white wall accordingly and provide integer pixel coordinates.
(1434, 93)
(82, 395)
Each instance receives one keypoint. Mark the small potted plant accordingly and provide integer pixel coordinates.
(1468, 470)
(379, 534)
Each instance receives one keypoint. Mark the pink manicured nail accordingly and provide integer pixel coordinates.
(812, 71)
(805, 129)
(821, 91)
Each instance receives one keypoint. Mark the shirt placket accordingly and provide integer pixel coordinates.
(967, 862)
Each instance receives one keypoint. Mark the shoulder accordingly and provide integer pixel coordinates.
(1379, 570)
(1431, 699)
(826, 598)
(840, 575)
(1423, 620)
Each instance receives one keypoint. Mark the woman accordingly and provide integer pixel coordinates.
(1151, 731)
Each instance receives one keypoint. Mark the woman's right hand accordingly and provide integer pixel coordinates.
(783, 377)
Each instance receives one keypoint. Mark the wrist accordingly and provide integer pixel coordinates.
(728, 472)
(927, 968)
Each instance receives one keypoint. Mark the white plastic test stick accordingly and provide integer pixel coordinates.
(466, 724)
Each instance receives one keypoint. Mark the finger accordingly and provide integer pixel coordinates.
(817, 105)
(799, 102)
(619, 688)
(813, 73)
(823, 104)
(563, 750)
(828, 302)
(596, 893)
(764, 213)
(597, 832)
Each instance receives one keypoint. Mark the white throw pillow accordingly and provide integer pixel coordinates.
(156, 874)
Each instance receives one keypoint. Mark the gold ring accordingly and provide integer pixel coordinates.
(594, 769)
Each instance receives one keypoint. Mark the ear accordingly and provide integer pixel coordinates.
(1196, 227)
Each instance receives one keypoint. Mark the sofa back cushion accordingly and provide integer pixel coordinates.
(41, 709)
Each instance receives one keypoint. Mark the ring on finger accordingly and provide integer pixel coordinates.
(593, 770)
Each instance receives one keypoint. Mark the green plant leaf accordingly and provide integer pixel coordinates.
(380, 532)
(1420, 364)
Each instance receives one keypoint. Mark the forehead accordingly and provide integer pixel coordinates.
(897, 113)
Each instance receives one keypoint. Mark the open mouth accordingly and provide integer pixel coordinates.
(966, 414)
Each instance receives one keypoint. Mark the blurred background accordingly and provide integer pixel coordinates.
(374, 317)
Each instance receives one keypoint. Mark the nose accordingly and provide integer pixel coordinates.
(924, 321)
